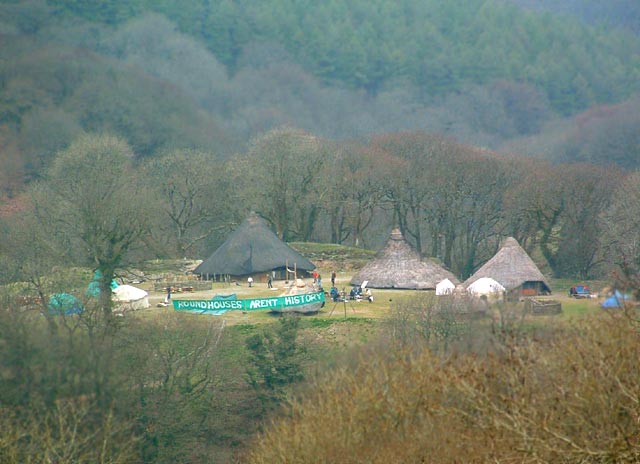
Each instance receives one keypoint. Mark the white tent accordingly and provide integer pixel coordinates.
(130, 298)
(486, 286)
(445, 287)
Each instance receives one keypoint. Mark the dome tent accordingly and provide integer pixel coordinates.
(445, 287)
(64, 304)
(616, 300)
(128, 297)
(486, 286)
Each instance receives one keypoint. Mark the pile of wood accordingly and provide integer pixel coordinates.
(541, 307)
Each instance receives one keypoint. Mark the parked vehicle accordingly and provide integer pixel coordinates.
(580, 291)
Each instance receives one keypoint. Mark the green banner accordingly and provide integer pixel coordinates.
(250, 304)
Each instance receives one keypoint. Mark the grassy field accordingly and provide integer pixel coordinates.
(379, 309)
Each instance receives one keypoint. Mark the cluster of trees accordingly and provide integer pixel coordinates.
(90, 389)
(99, 206)
(211, 76)
(452, 201)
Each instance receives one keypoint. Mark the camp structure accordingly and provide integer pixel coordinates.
(616, 300)
(512, 267)
(486, 286)
(399, 265)
(64, 304)
(445, 287)
(130, 298)
(253, 250)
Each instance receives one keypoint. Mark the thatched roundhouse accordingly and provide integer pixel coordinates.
(253, 250)
(514, 269)
(400, 266)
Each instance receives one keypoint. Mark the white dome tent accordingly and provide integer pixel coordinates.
(128, 297)
(486, 286)
(445, 287)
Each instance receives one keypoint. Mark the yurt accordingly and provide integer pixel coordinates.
(486, 286)
(445, 287)
(128, 297)
(399, 266)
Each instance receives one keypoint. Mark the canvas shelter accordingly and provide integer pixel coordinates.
(445, 287)
(399, 265)
(130, 297)
(253, 249)
(486, 286)
(514, 269)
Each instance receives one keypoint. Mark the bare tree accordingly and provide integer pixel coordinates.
(357, 191)
(621, 224)
(283, 180)
(93, 202)
(193, 189)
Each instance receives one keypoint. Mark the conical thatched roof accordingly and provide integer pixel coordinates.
(253, 248)
(398, 265)
(511, 266)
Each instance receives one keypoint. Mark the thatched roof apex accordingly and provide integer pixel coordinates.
(253, 248)
(511, 266)
(398, 265)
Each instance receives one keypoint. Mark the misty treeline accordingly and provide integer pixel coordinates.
(100, 206)
(620, 13)
(213, 75)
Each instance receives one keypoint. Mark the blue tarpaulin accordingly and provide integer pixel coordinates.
(64, 303)
(93, 289)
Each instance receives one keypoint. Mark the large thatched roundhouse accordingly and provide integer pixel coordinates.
(514, 269)
(253, 250)
(398, 265)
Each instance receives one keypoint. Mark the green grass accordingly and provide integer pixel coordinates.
(562, 286)
(572, 307)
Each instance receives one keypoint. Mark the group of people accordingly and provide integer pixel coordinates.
(356, 293)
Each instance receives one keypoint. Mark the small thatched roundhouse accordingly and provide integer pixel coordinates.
(253, 250)
(398, 265)
(514, 269)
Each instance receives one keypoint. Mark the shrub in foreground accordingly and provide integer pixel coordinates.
(570, 398)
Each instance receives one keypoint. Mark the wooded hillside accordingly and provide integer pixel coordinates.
(213, 75)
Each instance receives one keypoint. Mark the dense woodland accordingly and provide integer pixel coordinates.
(213, 75)
(135, 131)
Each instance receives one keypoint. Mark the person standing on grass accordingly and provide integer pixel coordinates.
(269, 281)
(250, 281)
(333, 278)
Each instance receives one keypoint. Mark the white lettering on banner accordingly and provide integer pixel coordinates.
(248, 304)
(263, 303)
(312, 297)
(207, 305)
(293, 300)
